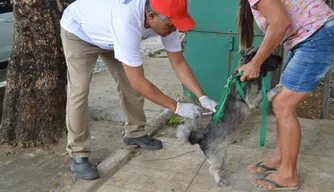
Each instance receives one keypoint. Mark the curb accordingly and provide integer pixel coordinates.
(162, 119)
(107, 168)
(158, 123)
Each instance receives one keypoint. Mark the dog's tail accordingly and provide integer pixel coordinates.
(191, 131)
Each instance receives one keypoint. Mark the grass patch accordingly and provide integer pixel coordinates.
(97, 118)
(174, 121)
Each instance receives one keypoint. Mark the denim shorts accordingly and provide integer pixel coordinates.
(308, 62)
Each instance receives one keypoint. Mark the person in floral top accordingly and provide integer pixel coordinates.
(306, 29)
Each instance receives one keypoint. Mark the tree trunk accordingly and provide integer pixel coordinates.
(35, 98)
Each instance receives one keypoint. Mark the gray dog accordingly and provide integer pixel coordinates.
(214, 139)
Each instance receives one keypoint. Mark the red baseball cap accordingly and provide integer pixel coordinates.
(176, 11)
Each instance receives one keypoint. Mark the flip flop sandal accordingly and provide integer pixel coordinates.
(266, 168)
(277, 186)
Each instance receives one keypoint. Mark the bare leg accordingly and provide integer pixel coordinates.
(284, 107)
(276, 159)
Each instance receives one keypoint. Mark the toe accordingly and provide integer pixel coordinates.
(252, 168)
(263, 184)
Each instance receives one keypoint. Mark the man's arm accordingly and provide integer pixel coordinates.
(147, 89)
(184, 73)
(187, 77)
(151, 92)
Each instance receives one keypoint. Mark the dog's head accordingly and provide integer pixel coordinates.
(253, 87)
(271, 64)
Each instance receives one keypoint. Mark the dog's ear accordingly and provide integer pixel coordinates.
(249, 52)
(242, 52)
(252, 50)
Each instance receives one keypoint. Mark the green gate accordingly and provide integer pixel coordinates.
(211, 48)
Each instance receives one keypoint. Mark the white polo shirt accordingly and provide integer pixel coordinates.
(114, 25)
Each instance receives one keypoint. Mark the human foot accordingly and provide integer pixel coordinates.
(265, 167)
(277, 181)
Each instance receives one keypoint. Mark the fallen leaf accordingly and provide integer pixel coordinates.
(56, 185)
(117, 179)
(97, 118)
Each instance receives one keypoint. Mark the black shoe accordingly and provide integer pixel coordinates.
(83, 168)
(145, 142)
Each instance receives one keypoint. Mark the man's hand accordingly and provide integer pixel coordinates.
(208, 103)
(188, 110)
(251, 71)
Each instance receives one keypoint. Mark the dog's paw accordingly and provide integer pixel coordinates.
(222, 183)
(252, 106)
(273, 92)
(278, 87)
(253, 103)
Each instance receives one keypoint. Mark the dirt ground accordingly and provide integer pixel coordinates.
(311, 107)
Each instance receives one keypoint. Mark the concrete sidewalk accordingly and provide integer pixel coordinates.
(47, 169)
(179, 167)
(175, 168)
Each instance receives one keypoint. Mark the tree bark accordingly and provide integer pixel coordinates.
(35, 99)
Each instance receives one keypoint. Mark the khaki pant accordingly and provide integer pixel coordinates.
(81, 58)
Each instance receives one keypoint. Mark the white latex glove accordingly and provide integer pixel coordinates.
(188, 110)
(208, 103)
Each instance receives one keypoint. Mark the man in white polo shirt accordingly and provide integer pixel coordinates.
(113, 30)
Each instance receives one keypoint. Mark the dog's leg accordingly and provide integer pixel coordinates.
(273, 92)
(258, 99)
(214, 170)
(253, 96)
(253, 103)
(270, 96)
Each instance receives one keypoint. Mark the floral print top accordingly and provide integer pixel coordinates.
(307, 16)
